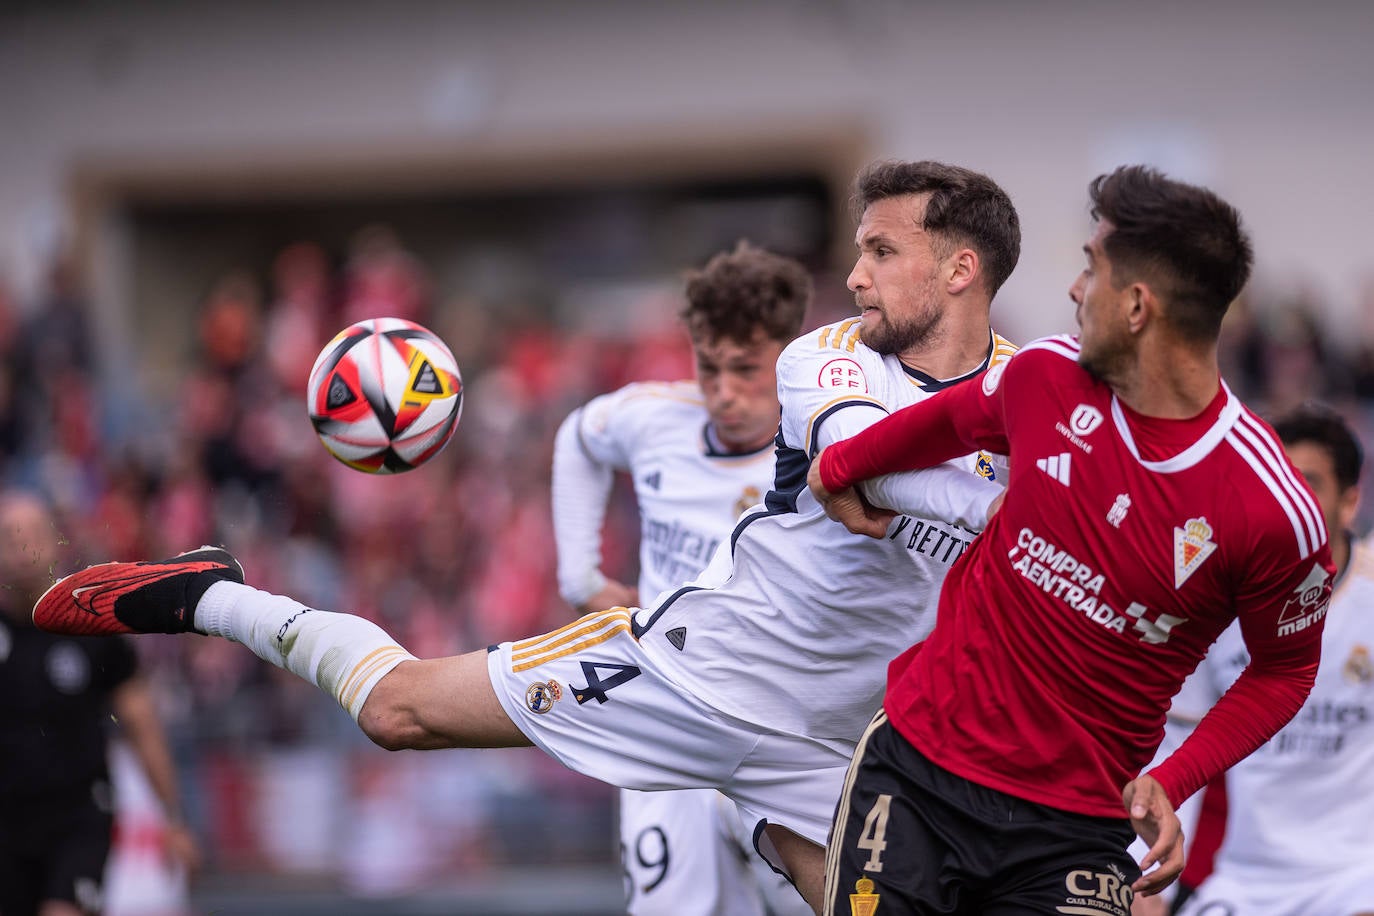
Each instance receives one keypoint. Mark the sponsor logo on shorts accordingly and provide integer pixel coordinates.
(863, 902)
(541, 695)
(1097, 893)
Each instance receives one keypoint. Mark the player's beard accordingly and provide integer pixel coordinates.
(1106, 360)
(893, 337)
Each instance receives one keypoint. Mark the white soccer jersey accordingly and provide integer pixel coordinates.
(798, 636)
(1302, 805)
(683, 852)
(689, 494)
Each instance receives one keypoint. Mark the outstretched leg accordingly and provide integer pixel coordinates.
(437, 703)
(447, 702)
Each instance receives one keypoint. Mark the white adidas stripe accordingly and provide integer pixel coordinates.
(832, 852)
(1288, 478)
(1066, 347)
(1272, 450)
(1298, 508)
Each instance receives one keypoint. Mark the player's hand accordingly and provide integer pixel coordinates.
(996, 504)
(1152, 816)
(848, 506)
(1149, 906)
(180, 847)
(612, 594)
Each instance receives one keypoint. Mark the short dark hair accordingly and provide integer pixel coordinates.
(965, 208)
(1183, 237)
(1325, 428)
(740, 291)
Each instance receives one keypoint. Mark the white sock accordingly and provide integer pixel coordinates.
(343, 655)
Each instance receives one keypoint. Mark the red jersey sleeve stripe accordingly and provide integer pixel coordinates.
(1263, 471)
(1270, 447)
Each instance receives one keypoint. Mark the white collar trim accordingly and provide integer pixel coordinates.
(1230, 412)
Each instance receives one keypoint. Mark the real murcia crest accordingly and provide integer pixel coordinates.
(863, 902)
(1192, 545)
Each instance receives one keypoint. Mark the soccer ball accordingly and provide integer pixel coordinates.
(385, 395)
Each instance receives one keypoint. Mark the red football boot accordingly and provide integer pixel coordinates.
(151, 597)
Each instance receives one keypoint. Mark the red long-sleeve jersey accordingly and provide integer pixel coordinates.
(1125, 545)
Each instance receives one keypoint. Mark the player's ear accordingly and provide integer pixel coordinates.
(1140, 306)
(1347, 508)
(962, 269)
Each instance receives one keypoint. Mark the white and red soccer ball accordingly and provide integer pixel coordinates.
(385, 395)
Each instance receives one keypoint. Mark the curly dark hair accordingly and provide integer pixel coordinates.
(1325, 428)
(965, 208)
(742, 291)
(1182, 238)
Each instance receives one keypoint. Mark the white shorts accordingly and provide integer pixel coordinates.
(688, 853)
(588, 695)
(682, 855)
(1336, 893)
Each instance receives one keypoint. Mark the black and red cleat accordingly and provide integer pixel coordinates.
(151, 597)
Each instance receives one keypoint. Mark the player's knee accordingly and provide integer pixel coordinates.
(390, 720)
(382, 725)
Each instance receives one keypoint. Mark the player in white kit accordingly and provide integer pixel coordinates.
(1300, 810)
(698, 453)
(758, 680)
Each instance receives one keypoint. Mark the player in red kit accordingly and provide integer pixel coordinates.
(1146, 509)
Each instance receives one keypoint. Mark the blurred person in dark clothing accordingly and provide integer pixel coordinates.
(56, 692)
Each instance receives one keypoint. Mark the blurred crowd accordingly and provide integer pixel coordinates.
(448, 558)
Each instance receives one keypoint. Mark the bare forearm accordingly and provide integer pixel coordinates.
(141, 728)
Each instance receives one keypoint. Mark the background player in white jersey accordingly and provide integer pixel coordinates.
(699, 453)
(758, 685)
(1300, 809)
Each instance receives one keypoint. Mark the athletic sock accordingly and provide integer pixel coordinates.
(342, 654)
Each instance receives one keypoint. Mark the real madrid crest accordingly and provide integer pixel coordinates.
(1358, 668)
(540, 696)
(1192, 545)
(750, 497)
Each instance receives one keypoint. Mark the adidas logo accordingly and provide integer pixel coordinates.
(427, 381)
(1057, 466)
(654, 480)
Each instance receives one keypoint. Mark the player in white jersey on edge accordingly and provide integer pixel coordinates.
(759, 680)
(699, 453)
(1300, 810)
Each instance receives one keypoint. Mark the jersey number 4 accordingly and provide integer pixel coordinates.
(874, 837)
(597, 685)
